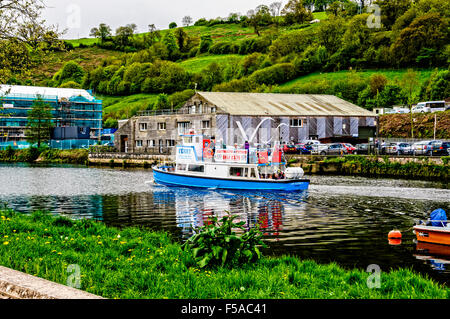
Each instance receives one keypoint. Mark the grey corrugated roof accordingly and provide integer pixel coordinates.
(283, 104)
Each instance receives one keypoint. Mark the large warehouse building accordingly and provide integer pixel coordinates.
(260, 118)
(77, 115)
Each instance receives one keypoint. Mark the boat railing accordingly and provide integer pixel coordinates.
(444, 223)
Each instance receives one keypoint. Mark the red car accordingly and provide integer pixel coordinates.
(349, 147)
(289, 149)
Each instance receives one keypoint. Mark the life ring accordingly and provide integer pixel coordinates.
(208, 153)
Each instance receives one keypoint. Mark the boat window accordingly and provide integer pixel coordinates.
(181, 167)
(252, 173)
(236, 171)
(197, 168)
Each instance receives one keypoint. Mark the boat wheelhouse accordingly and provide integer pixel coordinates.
(202, 163)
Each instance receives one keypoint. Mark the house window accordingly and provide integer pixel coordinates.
(161, 126)
(213, 109)
(151, 143)
(143, 126)
(138, 143)
(206, 124)
(296, 123)
(183, 127)
(170, 143)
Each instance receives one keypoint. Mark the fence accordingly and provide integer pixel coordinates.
(157, 150)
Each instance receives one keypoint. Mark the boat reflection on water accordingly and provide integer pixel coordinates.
(194, 208)
(438, 256)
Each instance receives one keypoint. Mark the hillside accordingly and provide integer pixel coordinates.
(404, 61)
(399, 125)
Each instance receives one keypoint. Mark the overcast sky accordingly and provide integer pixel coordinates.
(79, 16)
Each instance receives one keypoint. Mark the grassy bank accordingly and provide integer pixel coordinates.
(136, 263)
(51, 156)
(373, 166)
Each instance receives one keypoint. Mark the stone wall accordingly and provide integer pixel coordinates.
(17, 285)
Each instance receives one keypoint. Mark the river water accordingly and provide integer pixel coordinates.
(339, 219)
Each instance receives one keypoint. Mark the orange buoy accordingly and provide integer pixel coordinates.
(395, 234)
(394, 241)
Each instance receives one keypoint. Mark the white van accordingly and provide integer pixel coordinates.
(432, 106)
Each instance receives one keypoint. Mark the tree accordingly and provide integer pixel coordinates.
(428, 31)
(205, 43)
(172, 25)
(392, 10)
(153, 35)
(409, 83)
(103, 32)
(330, 33)
(261, 17)
(233, 18)
(70, 72)
(170, 42)
(437, 87)
(124, 34)
(15, 59)
(377, 83)
(295, 12)
(187, 21)
(181, 37)
(275, 8)
(40, 122)
(20, 19)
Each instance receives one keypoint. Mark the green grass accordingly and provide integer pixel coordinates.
(86, 41)
(197, 64)
(392, 75)
(320, 15)
(137, 263)
(126, 106)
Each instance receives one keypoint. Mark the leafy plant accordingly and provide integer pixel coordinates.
(218, 244)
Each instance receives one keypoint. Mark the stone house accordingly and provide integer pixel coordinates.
(260, 118)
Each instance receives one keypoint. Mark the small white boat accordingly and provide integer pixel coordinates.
(198, 165)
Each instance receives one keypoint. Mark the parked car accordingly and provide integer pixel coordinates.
(289, 149)
(399, 148)
(441, 149)
(431, 106)
(315, 146)
(310, 142)
(350, 148)
(432, 145)
(420, 148)
(425, 147)
(335, 149)
(303, 149)
(361, 149)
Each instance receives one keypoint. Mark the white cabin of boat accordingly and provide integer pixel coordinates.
(195, 157)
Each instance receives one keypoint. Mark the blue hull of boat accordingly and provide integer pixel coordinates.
(173, 179)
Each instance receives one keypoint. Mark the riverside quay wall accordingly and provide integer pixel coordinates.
(430, 168)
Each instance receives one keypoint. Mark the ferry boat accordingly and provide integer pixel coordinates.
(200, 164)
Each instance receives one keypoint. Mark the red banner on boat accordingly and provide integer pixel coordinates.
(231, 156)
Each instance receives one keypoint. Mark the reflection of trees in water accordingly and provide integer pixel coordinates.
(86, 206)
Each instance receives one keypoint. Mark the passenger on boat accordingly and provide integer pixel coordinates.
(247, 148)
(212, 145)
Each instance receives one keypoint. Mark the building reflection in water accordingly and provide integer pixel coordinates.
(195, 208)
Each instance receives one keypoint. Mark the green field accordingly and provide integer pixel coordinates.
(126, 106)
(197, 64)
(219, 32)
(392, 75)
